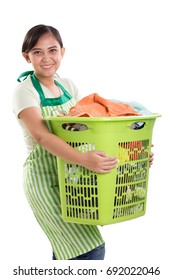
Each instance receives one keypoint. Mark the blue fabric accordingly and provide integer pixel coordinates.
(139, 107)
(95, 254)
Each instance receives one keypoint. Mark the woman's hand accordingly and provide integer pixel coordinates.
(151, 158)
(98, 161)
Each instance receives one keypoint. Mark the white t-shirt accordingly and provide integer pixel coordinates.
(25, 96)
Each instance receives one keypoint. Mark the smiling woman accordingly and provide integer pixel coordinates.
(38, 95)
(45, 54)
(122, 50)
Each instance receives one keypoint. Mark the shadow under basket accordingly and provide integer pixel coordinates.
(100, 199)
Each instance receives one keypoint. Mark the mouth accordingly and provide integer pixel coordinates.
(46, 66)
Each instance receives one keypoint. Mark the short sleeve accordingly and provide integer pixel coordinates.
(23, 98)
(70, 87)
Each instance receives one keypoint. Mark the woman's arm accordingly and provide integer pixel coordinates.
(96, 161)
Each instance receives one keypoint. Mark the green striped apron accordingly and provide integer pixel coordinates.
(68, 240)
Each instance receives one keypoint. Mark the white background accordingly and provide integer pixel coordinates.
(119, 49)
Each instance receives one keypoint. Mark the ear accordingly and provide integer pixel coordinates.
(26, 56)
(62, 52)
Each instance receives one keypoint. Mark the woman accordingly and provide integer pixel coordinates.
(42, 93)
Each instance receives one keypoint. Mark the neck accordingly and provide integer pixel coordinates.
(46, 81)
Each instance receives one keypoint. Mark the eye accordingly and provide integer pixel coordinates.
(53, 51)
(37, 53)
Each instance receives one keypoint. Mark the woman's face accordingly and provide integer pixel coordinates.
(45, 56)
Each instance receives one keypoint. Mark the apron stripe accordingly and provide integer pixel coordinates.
(41, 187)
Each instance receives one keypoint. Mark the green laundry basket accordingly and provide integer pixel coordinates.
(100, 199)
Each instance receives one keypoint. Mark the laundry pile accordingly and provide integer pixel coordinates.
(94, 105)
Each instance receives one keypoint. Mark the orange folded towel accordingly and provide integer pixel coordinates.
(94, 105)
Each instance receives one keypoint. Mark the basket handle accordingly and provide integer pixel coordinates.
(137, 125)
(82, 127)
(74, 126)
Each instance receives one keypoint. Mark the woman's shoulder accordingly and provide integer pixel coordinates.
(25, 91)
(27, 83)
(64, 81)
(69, 85)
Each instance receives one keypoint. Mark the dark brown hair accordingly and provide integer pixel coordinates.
(34, 34)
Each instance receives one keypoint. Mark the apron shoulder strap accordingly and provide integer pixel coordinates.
(24, 75)
(45, 101)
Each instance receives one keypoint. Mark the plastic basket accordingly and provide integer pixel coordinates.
(99, 199)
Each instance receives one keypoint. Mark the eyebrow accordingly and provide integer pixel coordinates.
(35, 49)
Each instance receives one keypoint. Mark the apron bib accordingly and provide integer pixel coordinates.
(41, 188)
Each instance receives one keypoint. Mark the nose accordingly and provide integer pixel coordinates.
(46, 56)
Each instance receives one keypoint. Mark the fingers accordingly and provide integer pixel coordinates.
(110, 163)
(151, 159)
(105, 157)
(151, 155)
(105, 163)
